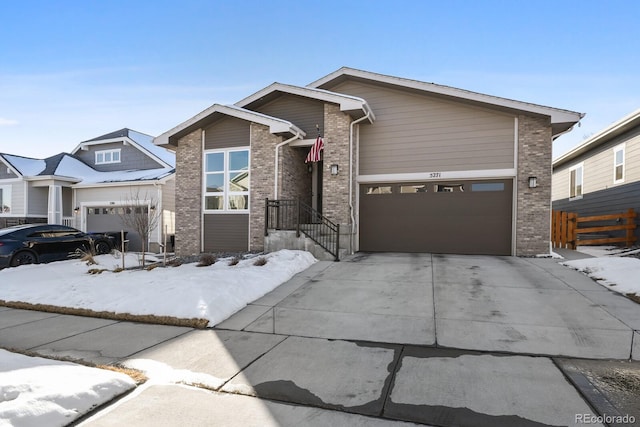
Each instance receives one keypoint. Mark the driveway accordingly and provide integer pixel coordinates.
(500, 304)
(378, 339)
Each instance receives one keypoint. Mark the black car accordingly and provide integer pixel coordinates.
(36, 243)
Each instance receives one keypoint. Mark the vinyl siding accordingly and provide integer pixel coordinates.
(17, 198)
(302, 112)
(38, 200)
(115, 195)
(419, 133)
(130, 157)
(227, 132)
(598, 167)
(226, 233)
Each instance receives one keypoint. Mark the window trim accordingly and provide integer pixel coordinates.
(616, 150)
(226, 192)
(104, 153)
(573, 187)
(6, 190)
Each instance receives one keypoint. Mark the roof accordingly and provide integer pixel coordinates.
(139, 140)
(561, 120)
(615, 129)
(24, 166)
(347, 103)
(276, 125)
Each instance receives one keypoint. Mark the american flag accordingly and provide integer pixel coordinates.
(314, 153)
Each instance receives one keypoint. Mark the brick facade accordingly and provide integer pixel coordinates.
(189, 194)
(533, 218)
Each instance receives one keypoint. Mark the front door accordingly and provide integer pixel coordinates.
(316, 185)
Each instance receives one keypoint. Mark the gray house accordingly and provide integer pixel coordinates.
(85, 189)
(601, 175)
(405, 166)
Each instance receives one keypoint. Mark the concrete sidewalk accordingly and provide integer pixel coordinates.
(384, 339)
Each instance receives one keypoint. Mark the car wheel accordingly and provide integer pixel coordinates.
(22, 258)
(102, 247)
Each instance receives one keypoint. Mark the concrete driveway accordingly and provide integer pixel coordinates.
(500, 304)
(378, 339)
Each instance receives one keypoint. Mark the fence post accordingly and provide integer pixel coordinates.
(630, 224)
(298, 217)
(338, 242)
(266, 216)
(572, 225)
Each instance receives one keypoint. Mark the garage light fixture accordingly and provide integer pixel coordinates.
(76, 210)
(533, 182)
(334, 169)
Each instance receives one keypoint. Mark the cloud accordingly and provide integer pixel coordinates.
(7, 122)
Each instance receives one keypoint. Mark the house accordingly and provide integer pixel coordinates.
(87, 188)
(602, 174)
(406, 166)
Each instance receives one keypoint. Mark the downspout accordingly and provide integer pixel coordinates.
(275, 185)
(351, 209)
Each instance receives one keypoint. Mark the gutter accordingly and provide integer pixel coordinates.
(351, 209)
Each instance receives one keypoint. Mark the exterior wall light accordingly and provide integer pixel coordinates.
(334, 169)
(533, 182)
(76, 210)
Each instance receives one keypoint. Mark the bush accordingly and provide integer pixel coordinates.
(234, 261)
(260, 261)
(206, 260)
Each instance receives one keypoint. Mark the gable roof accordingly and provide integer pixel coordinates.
(138, 140)
(205, 117)
(354, 105)
(615, 129)
(561, 120)
(23, 166)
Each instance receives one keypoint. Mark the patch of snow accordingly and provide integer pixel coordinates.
(43, 392)
(617, 273)
(161, 373)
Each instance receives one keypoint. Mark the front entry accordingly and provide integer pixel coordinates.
(316, 185)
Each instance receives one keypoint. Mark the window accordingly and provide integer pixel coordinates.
(379, 189)
(448, 188)
(226, 179)
(576, 182)
(487, 186)
(104, 157)
(618, 164)
(413, 188)
(5, 199)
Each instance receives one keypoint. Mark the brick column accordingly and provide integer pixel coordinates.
(533, 217)
(189, 194)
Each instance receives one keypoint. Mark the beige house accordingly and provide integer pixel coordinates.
(406, 166)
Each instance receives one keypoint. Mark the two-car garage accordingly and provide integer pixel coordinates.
(457, 217)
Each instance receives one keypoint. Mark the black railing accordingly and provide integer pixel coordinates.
(298, 216)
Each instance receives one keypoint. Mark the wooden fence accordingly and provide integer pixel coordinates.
(566, 229)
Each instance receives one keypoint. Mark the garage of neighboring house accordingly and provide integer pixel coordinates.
(109, 219)
(459, 217)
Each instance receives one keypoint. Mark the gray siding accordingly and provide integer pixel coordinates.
(130, 157)
(419, 133)
(303, 112)
(39, 200)
(5, 172)
(226, 233)
(598, 172)
(227, 132)
(613, 200)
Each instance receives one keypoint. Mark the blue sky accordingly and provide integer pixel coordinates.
(74, 70)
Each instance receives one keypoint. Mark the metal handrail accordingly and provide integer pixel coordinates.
(298, 216)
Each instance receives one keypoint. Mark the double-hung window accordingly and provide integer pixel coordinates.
(618, 164)
(226, 179)
(104, 157)
(576, 181)
(5, 199)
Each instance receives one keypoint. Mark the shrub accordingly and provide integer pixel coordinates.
(234, 261)
(260, 261)
(206, 260)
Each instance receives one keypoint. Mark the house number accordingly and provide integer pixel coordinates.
(435, 175)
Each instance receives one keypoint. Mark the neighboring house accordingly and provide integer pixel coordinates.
(406, 166)
(602, 174)
(87, 188)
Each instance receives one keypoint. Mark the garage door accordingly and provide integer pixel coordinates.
(101, 219)
(465, 217)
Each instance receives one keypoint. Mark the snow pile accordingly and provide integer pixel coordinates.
(616, 273)
(42, 392)
(186, 292)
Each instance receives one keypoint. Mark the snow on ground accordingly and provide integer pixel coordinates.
(213, 293)
(43, 392)
(609, 268)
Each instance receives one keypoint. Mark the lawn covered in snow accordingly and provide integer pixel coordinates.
(42, 392)
(186, 292)
(620, 274)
